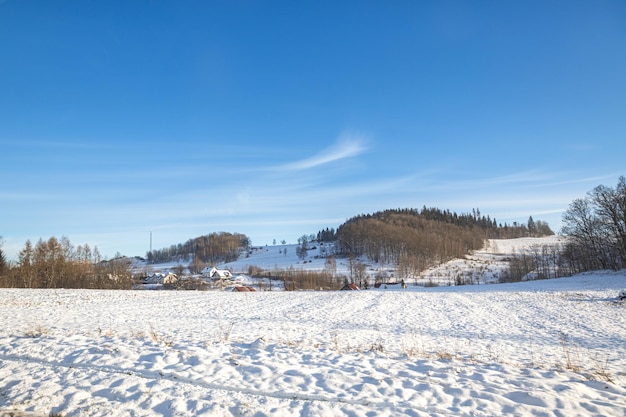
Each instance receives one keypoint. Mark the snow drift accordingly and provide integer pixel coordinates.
(553, 347)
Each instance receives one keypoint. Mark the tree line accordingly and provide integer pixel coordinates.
(203, 250)
(595, 231)
(537, 262)
(596, 227)
(488, 226)
(56, 263)
(299, 279)
(3, 259)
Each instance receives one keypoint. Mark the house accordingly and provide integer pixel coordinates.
(165, 279)
(350, 287)
(170, 279)
(215, 274)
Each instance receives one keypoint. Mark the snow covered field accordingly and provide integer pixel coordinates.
(543, 348)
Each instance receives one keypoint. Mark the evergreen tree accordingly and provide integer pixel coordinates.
(3, 261)
(532, 227)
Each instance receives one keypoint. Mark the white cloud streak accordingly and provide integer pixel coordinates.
(348, 146)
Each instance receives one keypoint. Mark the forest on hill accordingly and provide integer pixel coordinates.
(417, 239)
(430, 235)
(203, 250)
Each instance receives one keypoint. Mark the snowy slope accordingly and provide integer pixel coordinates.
(486, 265)
(487, 262)
(544, 348)
(483, 266)
(280, 257)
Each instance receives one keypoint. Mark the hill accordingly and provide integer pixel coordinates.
(484, 266)
(388, 246)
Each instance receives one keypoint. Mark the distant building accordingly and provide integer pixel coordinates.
(350, 287)
(165, 279)
(215, 274)
(170, 279)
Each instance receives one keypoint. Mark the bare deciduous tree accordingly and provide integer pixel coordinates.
(596, 226)
(56, 263)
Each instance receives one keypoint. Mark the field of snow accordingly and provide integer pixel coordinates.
(540, 348)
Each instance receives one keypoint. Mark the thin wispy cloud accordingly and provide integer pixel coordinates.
(51, 144)
(347, 146)
(524, 179)
(581, 146)
(29, 196)
(527, 179)
(514, 179)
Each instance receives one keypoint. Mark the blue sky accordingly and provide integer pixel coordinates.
(277, 119)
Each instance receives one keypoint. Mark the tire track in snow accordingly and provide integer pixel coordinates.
(177, 379)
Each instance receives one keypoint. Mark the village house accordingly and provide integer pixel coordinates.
(216, 274)
(165, 279)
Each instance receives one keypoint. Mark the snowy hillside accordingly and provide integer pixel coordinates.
(281, 256)
(481, 267)
(486, 265)
(539, 348)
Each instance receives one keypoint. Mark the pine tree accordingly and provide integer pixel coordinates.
(532, 227)
(3, 260)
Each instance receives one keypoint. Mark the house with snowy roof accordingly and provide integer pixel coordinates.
(216, 274)
(165, 279)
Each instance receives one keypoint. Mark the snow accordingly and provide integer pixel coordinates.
(537, 348)
(281, 256)
(483, 266)
(486, 265)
